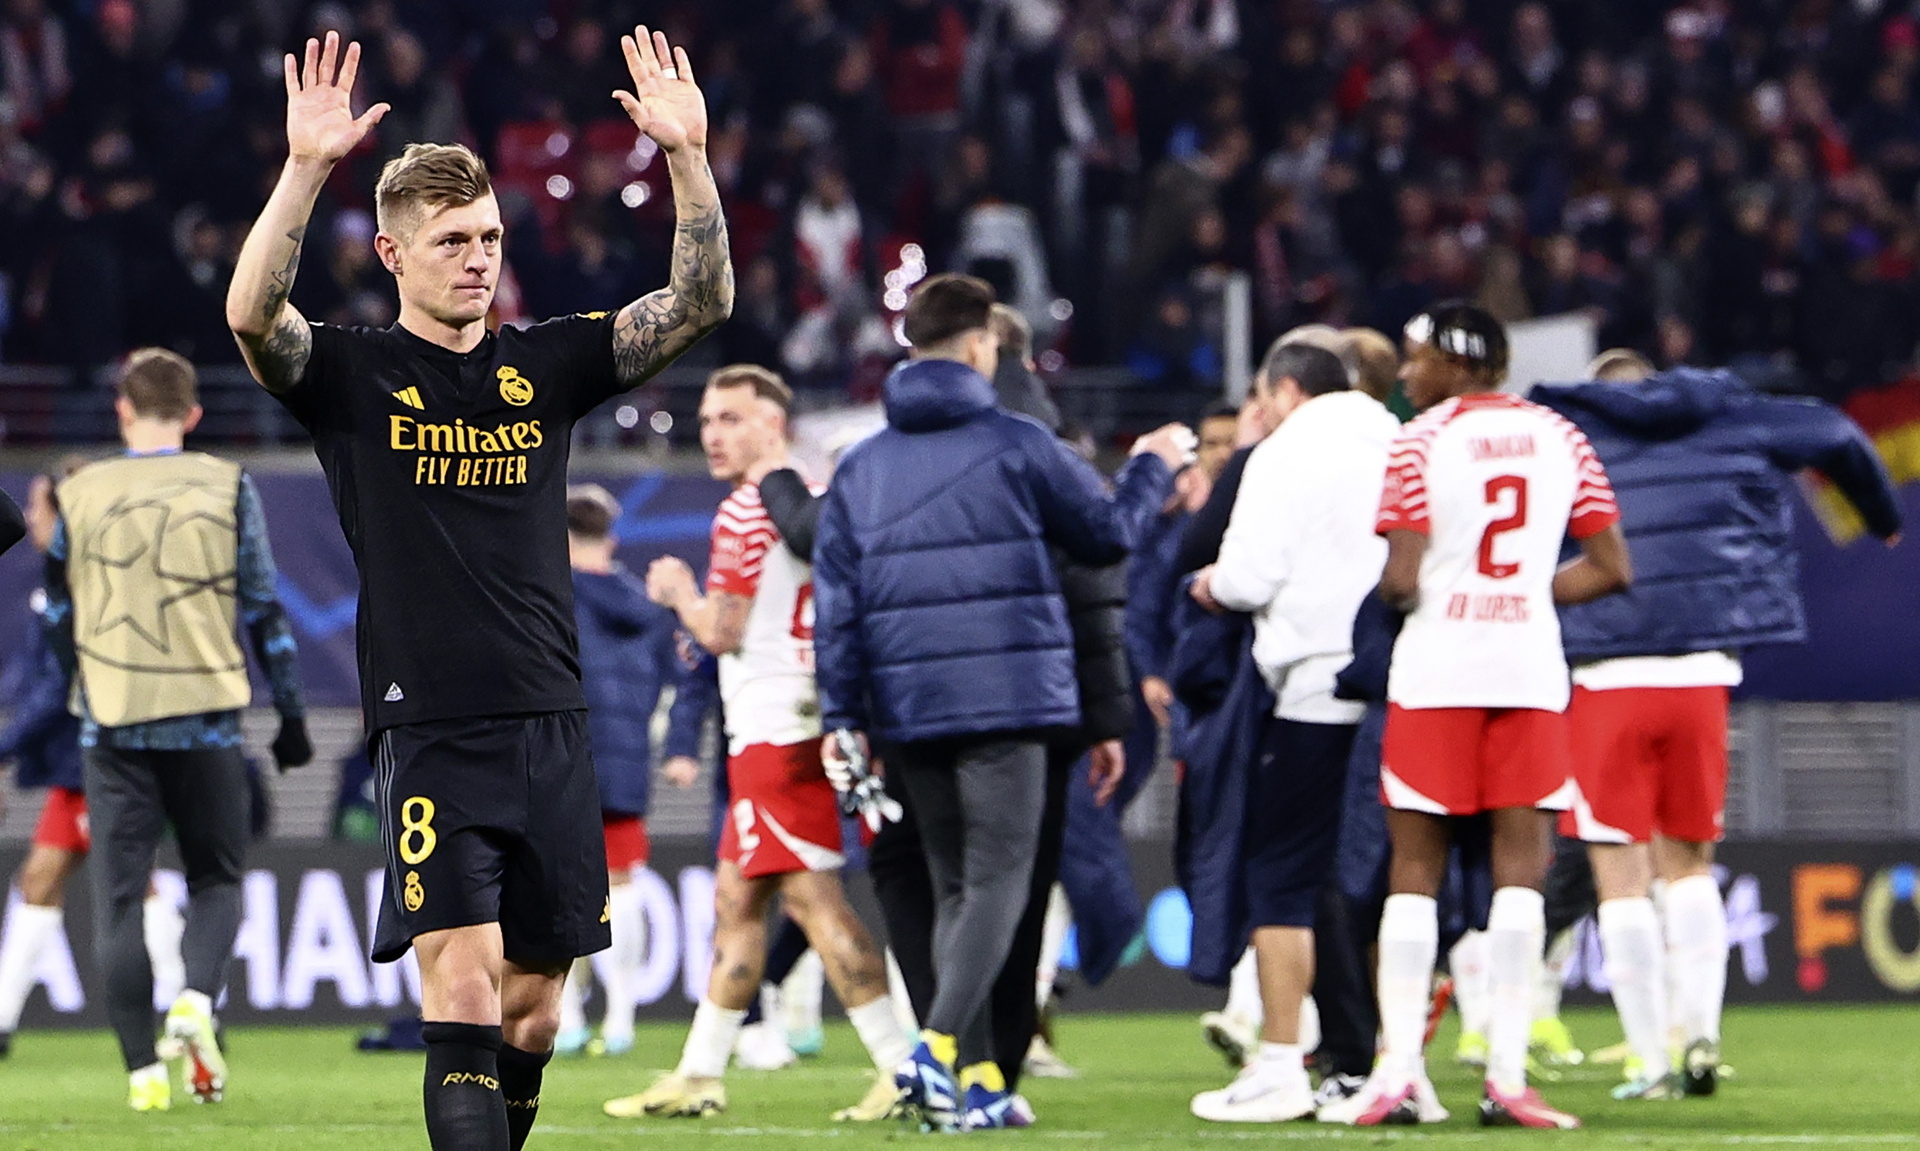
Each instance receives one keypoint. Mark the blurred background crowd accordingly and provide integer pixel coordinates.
(1713, 182)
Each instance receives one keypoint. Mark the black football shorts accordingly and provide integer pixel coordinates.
(494, 819)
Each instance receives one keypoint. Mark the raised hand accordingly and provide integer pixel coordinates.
(320, 121)
(665, 102)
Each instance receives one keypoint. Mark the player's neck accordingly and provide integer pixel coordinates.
(454, 338)
(145, 437)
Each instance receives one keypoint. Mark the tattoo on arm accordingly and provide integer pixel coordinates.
(280, 284)
(281, 358)
(650, 332)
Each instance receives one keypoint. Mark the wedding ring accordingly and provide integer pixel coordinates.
(670, 73)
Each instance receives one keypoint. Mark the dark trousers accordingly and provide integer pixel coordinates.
(956, 886)
(905, 892)
(132, 797)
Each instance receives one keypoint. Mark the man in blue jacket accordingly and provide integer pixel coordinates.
(940, 629)
(1702, 468)
(43, 740)
(627, 658)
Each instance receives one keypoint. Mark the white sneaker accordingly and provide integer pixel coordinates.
(762, 1047)
(1387, 1100)
(1231, 1036)
(1258, 1095)
(1044, 1063)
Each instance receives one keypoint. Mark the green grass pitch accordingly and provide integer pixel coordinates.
(1806, 1077)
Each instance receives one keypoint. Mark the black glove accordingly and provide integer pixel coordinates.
(292, 748)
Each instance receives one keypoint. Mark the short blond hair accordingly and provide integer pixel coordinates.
(765, 382)
(160, 384)
(424, 178)
(1378, 360)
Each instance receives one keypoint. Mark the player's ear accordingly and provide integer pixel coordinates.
(388, 249)
(193, 418)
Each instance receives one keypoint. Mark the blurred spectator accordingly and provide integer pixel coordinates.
(33, 63)
(919, 48)
(426, 105)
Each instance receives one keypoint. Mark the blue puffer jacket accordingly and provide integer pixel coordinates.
(626, 658)
(937, 608)
(43, 736)
(1702, 467)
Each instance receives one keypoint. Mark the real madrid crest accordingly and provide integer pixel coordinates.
(515, 388)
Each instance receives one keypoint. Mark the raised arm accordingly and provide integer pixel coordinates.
(321, 128)
(667, 105)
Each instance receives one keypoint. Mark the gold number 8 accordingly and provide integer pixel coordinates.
(416, 818)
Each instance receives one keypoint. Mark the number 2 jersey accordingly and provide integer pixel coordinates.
(1496, 484)
(767, 690)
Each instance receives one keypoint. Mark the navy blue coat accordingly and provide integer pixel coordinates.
(43, 736)
(937, 607)
(626, 659)
(1702, 467)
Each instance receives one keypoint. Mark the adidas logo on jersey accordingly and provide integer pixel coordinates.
(411, 398)
(394, 694)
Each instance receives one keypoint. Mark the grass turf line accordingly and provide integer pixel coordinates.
(1846, 1077)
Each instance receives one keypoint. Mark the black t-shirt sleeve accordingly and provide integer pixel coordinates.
(583, 345)
(318, 399)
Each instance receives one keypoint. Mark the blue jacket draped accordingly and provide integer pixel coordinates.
(1702, 466)
(627, 658)
(938, 610)
(43, 736)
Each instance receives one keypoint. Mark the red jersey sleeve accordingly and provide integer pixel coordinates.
(1403, 500)
(742, 533)
(1594, 508)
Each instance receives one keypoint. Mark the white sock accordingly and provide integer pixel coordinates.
(29, 930)
(1309, 1025)
(1630, 937)
(902, 1002)
(710, 1040)
(1696, 925)
(771, 1018)
(879, 1028)
(800, 993)
(162, 926)
(1553, 974)
(1053, 941)
(573, 997)
(629, 928)
(1286, 1062)
(1409, 942)
(1516, 933)
(1472, 988)
(1243, 991)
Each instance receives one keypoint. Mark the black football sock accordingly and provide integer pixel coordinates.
(465, 1110)
(520, 1073)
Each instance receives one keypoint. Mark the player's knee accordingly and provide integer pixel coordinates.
(531, 1025)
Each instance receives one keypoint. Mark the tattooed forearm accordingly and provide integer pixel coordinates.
(650, 332)
(280, 283)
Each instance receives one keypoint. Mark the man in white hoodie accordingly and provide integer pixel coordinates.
(1300, 553)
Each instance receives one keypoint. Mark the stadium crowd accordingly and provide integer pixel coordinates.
(1713, 182)
(1398, 655)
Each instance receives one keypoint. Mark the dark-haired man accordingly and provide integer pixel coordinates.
(445, 447)
(1480, 491)
(160, 682)
(941, 632)
(1300, 553)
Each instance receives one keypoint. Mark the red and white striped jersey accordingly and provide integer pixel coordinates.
(1496, 484)
(767, 688)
